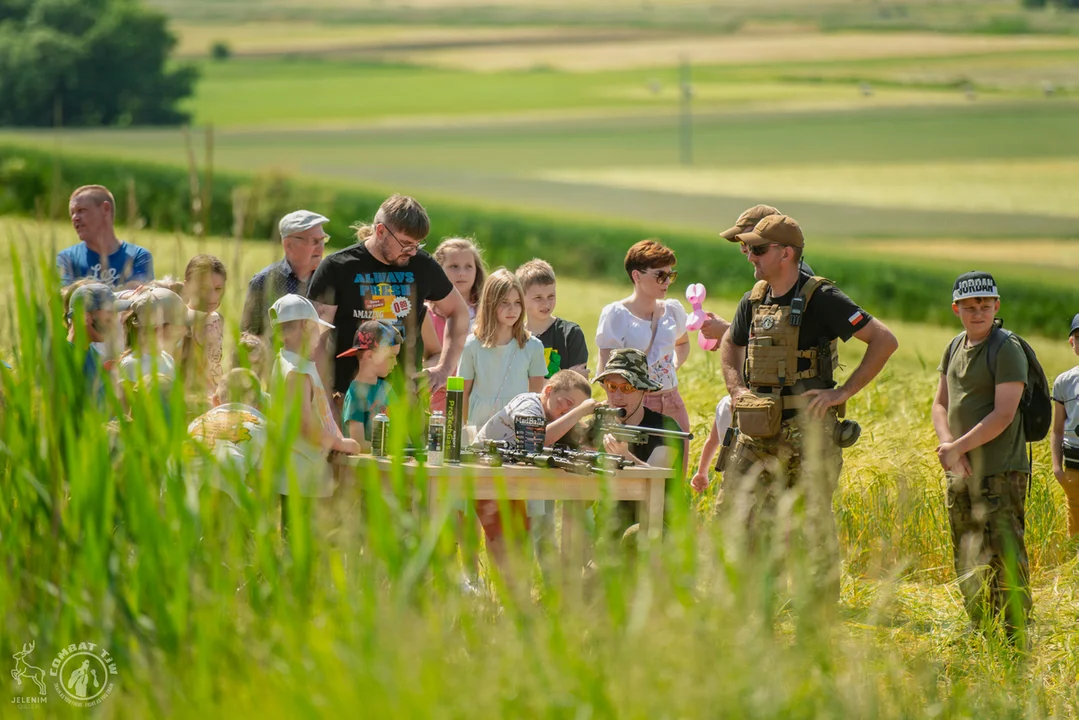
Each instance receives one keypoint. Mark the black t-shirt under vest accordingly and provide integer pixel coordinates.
(364, 288)
(829, 315)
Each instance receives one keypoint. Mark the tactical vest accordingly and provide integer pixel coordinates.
(772, 356)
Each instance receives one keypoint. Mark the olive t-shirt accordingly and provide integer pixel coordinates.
(972, 387)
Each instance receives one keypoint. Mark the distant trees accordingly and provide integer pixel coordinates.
(1064, 4)
(87, 63)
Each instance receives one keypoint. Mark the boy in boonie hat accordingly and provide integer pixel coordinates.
(296, 384)
(376, 347)
(625, 380)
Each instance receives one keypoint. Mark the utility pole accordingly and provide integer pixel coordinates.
(686, 127)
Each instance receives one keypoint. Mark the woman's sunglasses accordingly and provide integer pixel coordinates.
(664, 276)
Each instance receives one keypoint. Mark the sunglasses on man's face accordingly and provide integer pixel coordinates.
(759, 250)
(663, 276)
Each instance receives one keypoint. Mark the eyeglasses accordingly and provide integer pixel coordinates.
(621, 388)
(404, 248)
(311, 242)
(663, 276)
(759, 250)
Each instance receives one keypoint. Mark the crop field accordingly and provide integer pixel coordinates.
(328, 625)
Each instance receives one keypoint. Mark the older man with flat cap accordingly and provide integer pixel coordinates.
(779, 362)
(303, 240)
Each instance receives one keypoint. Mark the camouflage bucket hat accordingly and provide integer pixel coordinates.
(631, 365)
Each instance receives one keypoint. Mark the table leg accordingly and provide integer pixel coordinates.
(652, 509)
(573, 546)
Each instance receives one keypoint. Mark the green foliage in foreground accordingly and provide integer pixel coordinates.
(34, 182)
(209, 614)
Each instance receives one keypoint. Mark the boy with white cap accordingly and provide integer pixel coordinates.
(983, 373)
(304, 242)
(295, 376)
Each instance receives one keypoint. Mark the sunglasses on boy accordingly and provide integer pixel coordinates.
(623, 388)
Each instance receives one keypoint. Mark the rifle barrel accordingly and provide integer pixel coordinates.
(617, 430)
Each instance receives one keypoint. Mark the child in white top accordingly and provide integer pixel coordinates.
(1064, 441)
(296, 382)
(711, 445)
(155, 323)
(501, 359)
(227, 441)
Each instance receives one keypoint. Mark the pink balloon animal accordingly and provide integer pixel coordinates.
(696, 294)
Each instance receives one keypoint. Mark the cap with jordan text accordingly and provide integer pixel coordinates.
(974, 284)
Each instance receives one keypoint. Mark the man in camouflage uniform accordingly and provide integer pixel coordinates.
(983, 373)
(778, 361)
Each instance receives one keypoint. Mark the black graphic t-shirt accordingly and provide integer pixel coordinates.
(364, 288)
(830, 315)
(564, 346)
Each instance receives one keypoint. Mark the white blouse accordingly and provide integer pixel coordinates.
(619, 328)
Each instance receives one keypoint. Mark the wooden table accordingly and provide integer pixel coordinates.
(448, 483)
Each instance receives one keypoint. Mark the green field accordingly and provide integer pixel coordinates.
(327, 625)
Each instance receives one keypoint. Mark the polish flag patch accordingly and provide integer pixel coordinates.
(856, 318)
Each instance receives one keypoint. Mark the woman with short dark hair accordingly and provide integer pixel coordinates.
(650, 322)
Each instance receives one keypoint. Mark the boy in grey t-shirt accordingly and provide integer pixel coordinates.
(1064, 442)
(976, 417)
(564, 401)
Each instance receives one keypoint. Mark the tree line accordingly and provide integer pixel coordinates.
(88, 63)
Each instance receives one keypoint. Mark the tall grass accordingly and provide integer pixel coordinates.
(210, 613)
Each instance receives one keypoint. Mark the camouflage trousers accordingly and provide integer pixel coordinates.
(776, 501)
(988, 520)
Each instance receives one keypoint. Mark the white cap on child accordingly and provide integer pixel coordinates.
(295, 307)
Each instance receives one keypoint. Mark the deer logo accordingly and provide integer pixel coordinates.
(25, 670)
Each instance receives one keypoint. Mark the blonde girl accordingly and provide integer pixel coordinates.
(462, 261)
(501, 359)
(204, 288)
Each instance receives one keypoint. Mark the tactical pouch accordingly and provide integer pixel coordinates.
(758, 417)
(1071, 457)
